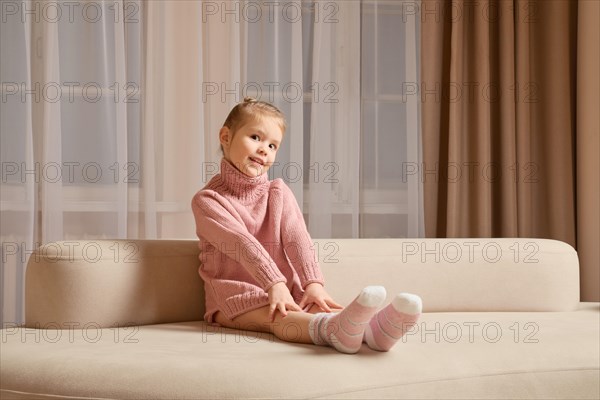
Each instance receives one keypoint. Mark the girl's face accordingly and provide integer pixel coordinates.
(253, 148)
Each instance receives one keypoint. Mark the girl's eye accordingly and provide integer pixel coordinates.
(273, 146)
(255, 137)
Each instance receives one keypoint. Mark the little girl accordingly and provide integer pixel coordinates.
(259, 270)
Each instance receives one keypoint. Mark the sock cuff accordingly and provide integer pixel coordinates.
(314, 328)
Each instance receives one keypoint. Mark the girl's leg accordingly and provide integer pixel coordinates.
(291, 328)
(390, 324)
(343, 330)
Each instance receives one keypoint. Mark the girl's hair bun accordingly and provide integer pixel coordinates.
(253, 108)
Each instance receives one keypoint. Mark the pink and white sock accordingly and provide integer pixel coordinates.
(391, 323)
(345, 330)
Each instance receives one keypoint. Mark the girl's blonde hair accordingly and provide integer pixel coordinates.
(252, 108)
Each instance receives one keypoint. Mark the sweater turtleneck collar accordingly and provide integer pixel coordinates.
(241, 185)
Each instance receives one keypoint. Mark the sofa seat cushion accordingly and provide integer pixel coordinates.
(447, 355)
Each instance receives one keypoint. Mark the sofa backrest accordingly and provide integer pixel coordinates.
(103, 283)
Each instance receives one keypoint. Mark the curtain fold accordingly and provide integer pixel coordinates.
(588, 148)
(48, 112)
(500, 129)
(152, 114)
(121, 125)
(320, 218)
(347, 116)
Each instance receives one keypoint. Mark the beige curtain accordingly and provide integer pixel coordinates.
(509, 150)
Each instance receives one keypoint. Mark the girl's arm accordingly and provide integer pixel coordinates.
(300, 251)
(215, 222)
(297, 242)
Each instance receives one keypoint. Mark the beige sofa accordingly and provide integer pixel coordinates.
(502, 319)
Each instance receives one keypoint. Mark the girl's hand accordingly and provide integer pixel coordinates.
(281, 300)
(315, 293)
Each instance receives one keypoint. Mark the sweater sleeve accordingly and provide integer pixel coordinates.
(297, 243)
(215, 222)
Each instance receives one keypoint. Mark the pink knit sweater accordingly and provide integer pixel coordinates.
(252, 235)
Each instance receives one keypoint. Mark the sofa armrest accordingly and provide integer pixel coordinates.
(103, 283)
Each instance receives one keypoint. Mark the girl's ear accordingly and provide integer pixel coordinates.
(225, 137)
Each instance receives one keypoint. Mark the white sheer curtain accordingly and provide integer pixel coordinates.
(110, 114)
